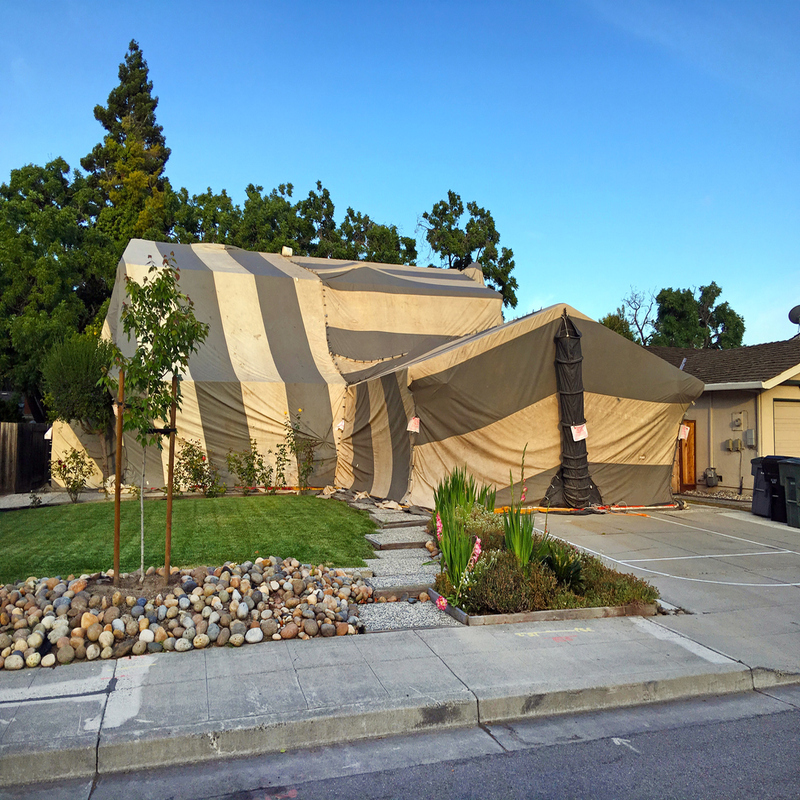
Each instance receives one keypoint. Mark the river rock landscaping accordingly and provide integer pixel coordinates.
(50, 621)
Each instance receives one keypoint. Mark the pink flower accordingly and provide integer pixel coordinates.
(476, 552)
(441, 603)
(524, 492)
(439, 527)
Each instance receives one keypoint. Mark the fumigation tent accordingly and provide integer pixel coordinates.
(402, 373)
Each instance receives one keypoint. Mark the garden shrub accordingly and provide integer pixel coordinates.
(565, 563)
(501, 585)
(196, 472)
(73, 470)
(250, 468)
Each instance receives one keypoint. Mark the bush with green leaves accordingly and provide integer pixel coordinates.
(501, 585)
(564, 561)
(194, 471)
(302, 444)
(250, 468)
(73, 470)
(71, 374)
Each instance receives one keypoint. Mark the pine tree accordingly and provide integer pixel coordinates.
(126, 169)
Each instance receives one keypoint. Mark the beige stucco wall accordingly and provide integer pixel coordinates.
(766, 420)
(714, 414)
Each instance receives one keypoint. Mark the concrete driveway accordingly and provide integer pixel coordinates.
(736, 575)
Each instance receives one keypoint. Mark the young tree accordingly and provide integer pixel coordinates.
(686, 320)
(477, 240)
(161, 320)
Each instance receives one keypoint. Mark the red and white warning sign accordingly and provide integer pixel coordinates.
(684, 432)
(579, 432)
(413, 425)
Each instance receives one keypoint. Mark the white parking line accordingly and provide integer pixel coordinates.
(681, 577)
(716, 555)
(724, 535)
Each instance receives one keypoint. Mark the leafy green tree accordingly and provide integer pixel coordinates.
(688, 320)
(618, 323)
(319, 235)
(72, 375)
(477, 240)
(56, 269)
(270, 221)
(205, 217)
(364, 240)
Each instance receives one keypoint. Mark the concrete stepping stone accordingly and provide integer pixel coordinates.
(400, 538)
(388, 518)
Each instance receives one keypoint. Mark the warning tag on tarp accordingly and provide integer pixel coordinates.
(340, 426)
(684, 433)
(579, 432)
(413, 425)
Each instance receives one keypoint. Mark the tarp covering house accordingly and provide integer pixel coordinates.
(404, 373)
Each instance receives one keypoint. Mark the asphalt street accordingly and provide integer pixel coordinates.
(738, 746)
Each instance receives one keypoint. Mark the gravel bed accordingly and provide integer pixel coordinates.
(721, 495)
(404, 579)
(402, 616)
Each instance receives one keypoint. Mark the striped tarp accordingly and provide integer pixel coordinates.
(482, 399)
(284, 333)
(364, 348)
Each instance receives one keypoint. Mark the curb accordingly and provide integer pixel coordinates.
(565, 701)
(111, 753)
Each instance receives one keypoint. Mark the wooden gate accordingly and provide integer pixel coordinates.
(24, 457)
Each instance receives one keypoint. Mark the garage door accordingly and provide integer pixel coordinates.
(786, 414)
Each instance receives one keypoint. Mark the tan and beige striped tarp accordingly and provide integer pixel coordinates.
(482, 399)
(363, 349)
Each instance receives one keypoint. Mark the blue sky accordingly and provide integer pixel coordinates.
(619, 143)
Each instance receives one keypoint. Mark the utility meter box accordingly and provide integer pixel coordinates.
(750, 438)
(712, 479)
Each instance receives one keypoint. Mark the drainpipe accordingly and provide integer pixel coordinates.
(711, 430)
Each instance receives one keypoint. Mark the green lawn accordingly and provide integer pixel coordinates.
(71, 539)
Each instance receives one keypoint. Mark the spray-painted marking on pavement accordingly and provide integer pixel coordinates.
(536, 634)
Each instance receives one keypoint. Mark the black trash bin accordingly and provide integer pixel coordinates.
(769, 497)
(789, 476)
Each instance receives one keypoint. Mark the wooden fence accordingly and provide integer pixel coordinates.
(24, 457)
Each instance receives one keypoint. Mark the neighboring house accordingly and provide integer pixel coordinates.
(750, 407)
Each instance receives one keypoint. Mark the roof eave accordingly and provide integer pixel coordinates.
(784, 376)
(734, 385)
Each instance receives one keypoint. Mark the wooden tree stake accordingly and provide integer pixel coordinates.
(118, 472)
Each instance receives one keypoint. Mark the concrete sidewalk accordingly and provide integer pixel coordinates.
(135, 713)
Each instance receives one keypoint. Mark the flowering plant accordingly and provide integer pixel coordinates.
(73, 471)
(195, 472)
